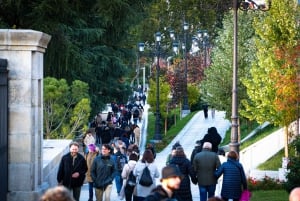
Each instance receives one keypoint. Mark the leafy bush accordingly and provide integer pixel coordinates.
(293, 176)
(267, 183)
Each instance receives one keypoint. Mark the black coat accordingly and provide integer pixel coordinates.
(159, 194)
(185, 167)
(67, 168)
(214, 138)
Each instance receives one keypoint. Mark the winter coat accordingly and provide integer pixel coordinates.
(185, 167)
(103, 171)
(89, 160)
(205, 163)
(196, 150)
(159, 194)
(233, 178)
(67, 168)
(143, 191)
(213, 137)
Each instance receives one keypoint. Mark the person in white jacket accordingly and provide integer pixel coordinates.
(127, 188)
(147, 160)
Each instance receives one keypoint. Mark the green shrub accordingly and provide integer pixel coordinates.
(293, 176)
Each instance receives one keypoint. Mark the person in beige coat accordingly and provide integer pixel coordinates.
(93, 152)
(137, 135)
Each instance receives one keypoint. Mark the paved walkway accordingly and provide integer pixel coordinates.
(195, 129)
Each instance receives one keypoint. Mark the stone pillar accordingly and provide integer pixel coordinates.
(24, 51)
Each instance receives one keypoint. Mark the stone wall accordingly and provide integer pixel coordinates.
(24, 51)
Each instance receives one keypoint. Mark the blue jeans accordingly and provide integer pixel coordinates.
(91, 191)
(119, 182)
(207, 192)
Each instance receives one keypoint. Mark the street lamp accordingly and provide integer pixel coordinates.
(202, 37)
(157, 134)
(141, 47)
(185, 106)
(242, 5)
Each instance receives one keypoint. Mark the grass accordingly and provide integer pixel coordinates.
(274, 195)
(171, 133)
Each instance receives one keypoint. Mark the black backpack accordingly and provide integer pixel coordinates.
(131, 181)
(146, 179)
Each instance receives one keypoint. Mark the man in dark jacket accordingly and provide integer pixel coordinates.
(71, 171)
(205, 163)
(103, 171)
(170, 181)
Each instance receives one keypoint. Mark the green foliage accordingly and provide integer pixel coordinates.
(172, 131)
(293, 176)
(276, 31)
(66, 108)
(193, 94)
(274, 195)
(216, 89)
(164, 91)
(91, 41)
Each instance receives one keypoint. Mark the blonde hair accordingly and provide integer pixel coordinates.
(58, 193)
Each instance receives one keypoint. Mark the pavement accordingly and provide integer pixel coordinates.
(194, 130)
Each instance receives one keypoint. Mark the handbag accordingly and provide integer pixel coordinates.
(246, 195)
(146, 179)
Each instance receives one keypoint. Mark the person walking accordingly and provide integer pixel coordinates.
(137, 134)
(180, 160)
(223, 159)
(71, 170)
(197, 149)
(213, 137)
(205, 163)
(91, 155)
(170, 182)
(88, 139)
(120, 160)
(233, 177)
(128, 186)
(102, 171)
(146, 161)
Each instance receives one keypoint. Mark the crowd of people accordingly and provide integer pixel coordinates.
(219, 176)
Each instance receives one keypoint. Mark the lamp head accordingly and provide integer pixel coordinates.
(157, 36)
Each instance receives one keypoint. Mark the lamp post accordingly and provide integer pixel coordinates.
(202, 39)
(185, 106)
(185, 110)
(157, 134)
(141, 47)
(242, 5)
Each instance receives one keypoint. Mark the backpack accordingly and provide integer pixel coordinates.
(131, 181)
(146, 179)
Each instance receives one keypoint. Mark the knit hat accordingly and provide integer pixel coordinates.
(171, 171)
(92, 147)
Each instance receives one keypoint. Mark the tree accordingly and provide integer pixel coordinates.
(91, 41)
(216, 88)
(164, 92)
(66, 108)
(273, 85)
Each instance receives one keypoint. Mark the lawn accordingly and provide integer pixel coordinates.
(270, 195)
